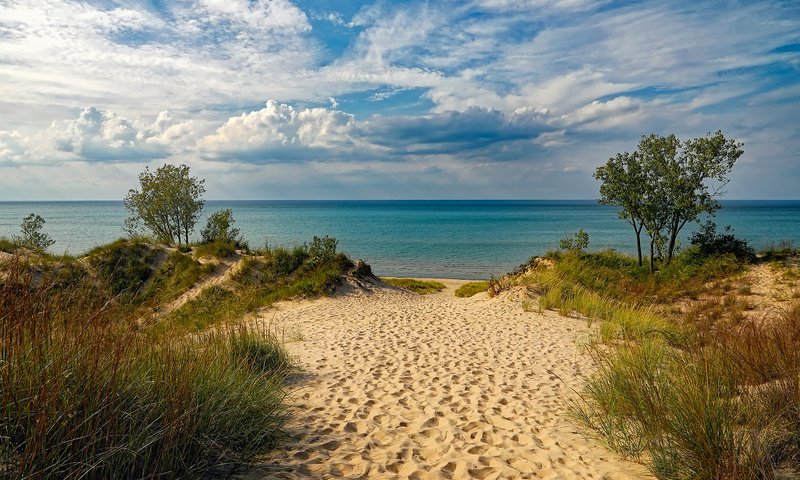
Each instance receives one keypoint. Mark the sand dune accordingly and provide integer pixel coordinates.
(400, 385)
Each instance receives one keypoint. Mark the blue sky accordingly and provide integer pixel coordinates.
(312, 99)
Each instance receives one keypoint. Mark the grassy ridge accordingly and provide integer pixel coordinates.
(88, 391)
(711, 399)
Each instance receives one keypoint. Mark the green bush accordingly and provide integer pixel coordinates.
(123, 266)
(710, 243)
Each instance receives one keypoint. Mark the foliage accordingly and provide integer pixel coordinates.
(709, 242)
(219, 227)
(168, 203)
(321, 249)
(88, 394)
(8, 245)
(666, 184)
(416, 286)
(217, 248)
(31, 234)
(471, 288)
(577, 241)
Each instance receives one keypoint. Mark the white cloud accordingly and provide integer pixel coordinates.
(278, 127)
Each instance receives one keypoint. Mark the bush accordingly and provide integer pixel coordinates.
(709, 243)
(219, 227)
(321, 249)
(31, 233)
(577, 241)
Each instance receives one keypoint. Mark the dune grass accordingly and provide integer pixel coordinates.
(87, 394)
(89, 391)
(471, 288)
(423, 287)
(694, 393)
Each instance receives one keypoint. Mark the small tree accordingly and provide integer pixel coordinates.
(168, 203)
(32, 235)
(576, 242)
(622, 178)
(219, 227)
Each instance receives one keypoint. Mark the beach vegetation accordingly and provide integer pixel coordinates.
(709, 242)
(472, 288)
(31, 234)
(219, 237)
(422, 287)
(168, 203)
(577, 241)
(89, 393)
(688, 381)
(666, 184)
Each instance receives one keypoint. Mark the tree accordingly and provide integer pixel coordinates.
(32, 235)
(666, 184)
(219, 226)
(622, 179)
(168, 203)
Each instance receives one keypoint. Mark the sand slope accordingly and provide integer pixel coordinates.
(400, 385)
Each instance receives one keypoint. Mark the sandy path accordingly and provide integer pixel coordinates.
(401, 385)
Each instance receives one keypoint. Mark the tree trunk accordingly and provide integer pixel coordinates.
(673, 236)
(639, 245)
(652, 256)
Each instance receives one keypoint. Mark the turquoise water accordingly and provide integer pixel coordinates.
(454, 239)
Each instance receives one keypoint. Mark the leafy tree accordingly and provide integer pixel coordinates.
(32, 235)
(666, 184)
(219, 227)
(168, 203)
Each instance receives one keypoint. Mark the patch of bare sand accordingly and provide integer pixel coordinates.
(400, 385)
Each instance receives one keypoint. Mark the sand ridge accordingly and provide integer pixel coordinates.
(400, 385)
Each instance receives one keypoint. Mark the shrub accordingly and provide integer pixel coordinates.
(219, 227)
(577, 241)
(709, 243)
(32, 235)
(321, 249)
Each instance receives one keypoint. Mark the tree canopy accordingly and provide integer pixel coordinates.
(666, 184)
(168, 203)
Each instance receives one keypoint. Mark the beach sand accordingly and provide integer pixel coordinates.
(400, 385)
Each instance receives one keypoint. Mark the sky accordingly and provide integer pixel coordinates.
(343, 99)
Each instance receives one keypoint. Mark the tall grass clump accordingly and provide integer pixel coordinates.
(88, 394)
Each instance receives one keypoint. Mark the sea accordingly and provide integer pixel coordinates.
(464, 239)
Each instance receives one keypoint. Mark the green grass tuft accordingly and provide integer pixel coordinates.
(471, 288)
(417, 286)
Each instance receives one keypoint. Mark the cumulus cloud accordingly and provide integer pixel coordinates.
(279, 130)
(105, 136)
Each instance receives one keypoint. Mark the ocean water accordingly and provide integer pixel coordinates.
(469, 239)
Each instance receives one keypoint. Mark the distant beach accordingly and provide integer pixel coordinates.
(462, 239)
